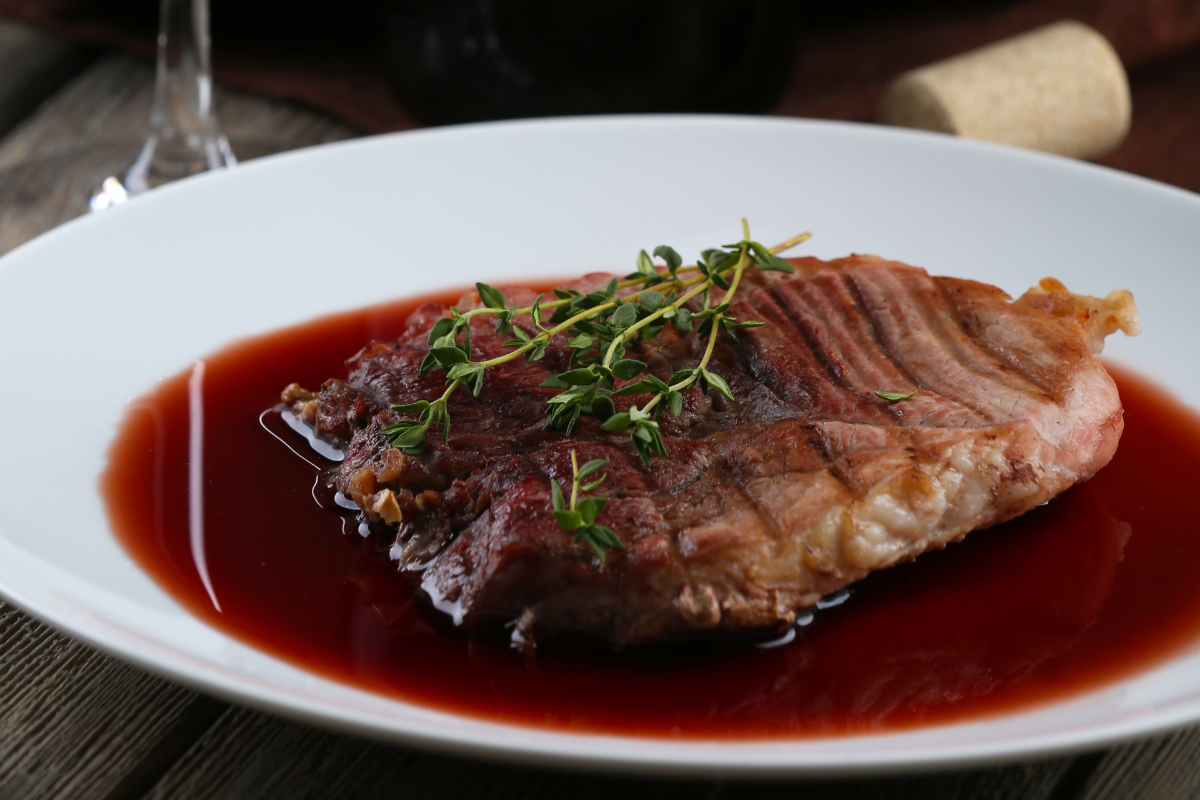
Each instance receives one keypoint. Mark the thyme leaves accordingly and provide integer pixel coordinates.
(579, 514)
(895, 397)
(602, 325)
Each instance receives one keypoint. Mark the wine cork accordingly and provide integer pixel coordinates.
(1060, 89)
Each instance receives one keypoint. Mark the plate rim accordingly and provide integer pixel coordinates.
(496, 747)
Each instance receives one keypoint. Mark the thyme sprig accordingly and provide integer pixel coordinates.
(602, 325)
(580, 515)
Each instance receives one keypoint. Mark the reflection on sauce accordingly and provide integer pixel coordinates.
(1085, 590)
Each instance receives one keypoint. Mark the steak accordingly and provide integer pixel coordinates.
(804, 483)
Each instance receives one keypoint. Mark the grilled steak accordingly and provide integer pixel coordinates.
(806, 482)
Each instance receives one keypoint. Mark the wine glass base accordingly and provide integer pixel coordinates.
(161, 162)
(109, 193)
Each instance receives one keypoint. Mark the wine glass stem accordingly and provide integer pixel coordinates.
(184, 135)
(183, 88)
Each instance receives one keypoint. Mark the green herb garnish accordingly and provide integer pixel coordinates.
(602, 326)
(895, 397)
(580, 515)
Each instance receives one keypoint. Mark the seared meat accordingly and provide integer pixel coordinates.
(806, 482)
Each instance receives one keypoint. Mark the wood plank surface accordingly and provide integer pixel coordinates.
(75, 723)
(1163, 768)
(250, 755)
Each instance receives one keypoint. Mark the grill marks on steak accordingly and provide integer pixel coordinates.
(805, 483)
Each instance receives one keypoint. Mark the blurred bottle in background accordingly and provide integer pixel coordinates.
(465, 60)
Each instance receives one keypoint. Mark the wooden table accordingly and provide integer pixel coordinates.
(76, 723)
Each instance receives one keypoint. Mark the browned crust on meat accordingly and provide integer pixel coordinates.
(807, 482)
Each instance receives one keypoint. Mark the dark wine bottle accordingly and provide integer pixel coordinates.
(465, 60)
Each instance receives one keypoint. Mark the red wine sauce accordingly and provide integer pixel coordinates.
(1094, 586)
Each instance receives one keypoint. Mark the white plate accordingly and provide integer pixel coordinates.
(96, 312)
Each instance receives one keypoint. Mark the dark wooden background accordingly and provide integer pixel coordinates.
(76, 723)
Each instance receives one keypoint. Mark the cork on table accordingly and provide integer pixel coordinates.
(77, 723)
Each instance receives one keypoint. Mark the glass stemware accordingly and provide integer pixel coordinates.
(184, 135)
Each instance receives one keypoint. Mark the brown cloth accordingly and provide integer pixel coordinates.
(844, 61)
